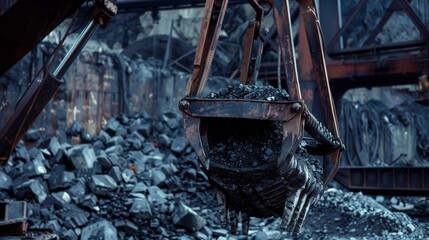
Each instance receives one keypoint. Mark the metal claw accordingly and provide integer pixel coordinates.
(306, 207)
(312, 195)
(290, 205)
(297, 212)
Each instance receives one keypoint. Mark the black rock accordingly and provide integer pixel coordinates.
(5, 181)
(35, 168)
(102, 184)
(172, 123)
(169, 169)
(54, 146)
(60, 180)
(21, 153)
(115, 140)
(32, 135)
(73, 217)
(140, 187)
(179, 144)
(116, 174)
(75, 129)
(148, 148)
(164, 140)
(183, 216)
(82, 156)
(104, 160)
(68, 235)
(145, 129)
(157, 195)
(99, 230)
(112, 126)
(89, 202)
(32, 189)
(78, 191)
(134, 126)
(104, 137)
(115, 150)
(53, 225)
(57, 199)
(130, 227)
(158, 177)
(127, 175)
(141, 209)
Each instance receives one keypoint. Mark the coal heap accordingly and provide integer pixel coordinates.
(242, 142)
(348, 215)
(138, 179)
(255, 92)
(244, 148)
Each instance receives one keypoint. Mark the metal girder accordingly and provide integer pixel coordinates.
(386, 180)
(24, 23)
(6, 4)
(144, 5)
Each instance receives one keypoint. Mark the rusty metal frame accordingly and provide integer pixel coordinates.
(342, 30)
(214, 12)
(316, 47)
(396, 5)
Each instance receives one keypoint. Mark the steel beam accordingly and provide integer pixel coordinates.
(144, 5)
(25, 23)
(386, 180)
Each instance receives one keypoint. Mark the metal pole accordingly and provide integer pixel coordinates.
(78, 45)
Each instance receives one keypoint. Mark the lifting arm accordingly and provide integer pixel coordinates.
(40, 92)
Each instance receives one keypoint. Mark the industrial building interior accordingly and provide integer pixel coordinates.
(214, 119)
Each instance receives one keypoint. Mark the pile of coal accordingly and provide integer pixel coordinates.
(348, 214)
(255, 92)
(241, 142)
(138, 179)
(233, 144)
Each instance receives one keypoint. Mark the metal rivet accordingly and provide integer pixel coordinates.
(183, 105)
(296, 107)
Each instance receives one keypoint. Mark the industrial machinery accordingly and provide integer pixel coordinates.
(13, 217)
(287, 184)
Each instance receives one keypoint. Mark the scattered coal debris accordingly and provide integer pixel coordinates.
(348, 214)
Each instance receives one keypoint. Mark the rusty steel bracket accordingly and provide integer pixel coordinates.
(214, 12)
